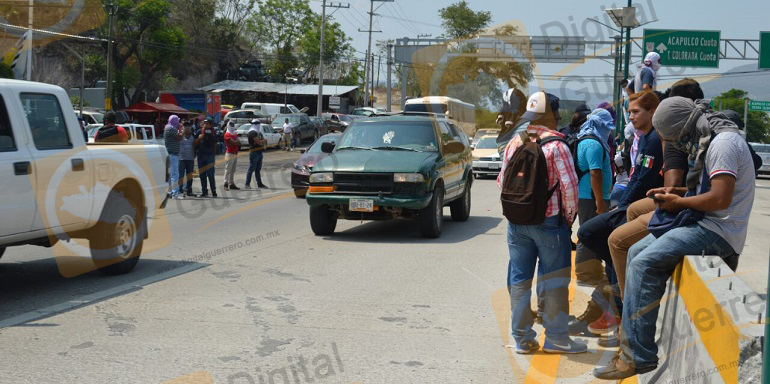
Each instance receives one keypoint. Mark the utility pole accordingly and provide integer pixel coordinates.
(389, 102)
(29, 40)
(108, 101)
(369, 49)
(371, 74)
(319, 106)
(379, 67)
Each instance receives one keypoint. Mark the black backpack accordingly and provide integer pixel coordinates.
(525, 193)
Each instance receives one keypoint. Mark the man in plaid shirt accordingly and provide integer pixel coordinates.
(548, 242)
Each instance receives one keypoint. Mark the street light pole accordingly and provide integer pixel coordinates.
(369, 49)
(319, 106)
(29, 40)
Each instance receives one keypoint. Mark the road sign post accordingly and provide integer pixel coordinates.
(764, 50)
(684, 48)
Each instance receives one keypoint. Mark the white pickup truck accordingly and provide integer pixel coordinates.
(56, 189)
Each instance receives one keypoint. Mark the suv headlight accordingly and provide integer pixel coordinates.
(323, 177)
(408, 178)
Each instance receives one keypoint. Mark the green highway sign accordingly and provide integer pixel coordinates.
(764, 50)
(684, 48)
(757, 105)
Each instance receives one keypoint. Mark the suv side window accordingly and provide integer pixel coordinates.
(456, 134)
(6, 133)
(46, 121)
(445, 133)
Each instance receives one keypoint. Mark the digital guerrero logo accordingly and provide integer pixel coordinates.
(100, 206)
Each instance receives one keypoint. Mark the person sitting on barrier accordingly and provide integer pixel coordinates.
(593, 234)
(722, 174)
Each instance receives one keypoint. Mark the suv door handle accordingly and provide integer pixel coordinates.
(78, 165)
(21, 168)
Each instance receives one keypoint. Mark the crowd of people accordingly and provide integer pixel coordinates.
(184, 145)
(678, 182)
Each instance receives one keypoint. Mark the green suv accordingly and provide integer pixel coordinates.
(393, 167)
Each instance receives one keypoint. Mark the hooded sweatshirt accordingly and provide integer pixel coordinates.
(171, 135)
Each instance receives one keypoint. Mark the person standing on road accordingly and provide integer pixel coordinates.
(288, 134)
(186, 161)
(171, 137)
(547, 243)
(257, 145)
(231, 156)
(206, 144)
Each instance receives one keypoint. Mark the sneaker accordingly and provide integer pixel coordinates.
(611, 341)
(177, 197)
(247, 186)
(227, 188)
(566, 345)
(204, 194)
(234, 188)
(592, 313)
(214, 193)
(526, 347)
(605, 324)
(262, 186)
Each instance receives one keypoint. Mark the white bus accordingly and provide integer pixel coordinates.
(462, 114)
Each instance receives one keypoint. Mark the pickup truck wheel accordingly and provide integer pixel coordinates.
(461, 208)
(322, 220)
(432, 217)
(116, 242)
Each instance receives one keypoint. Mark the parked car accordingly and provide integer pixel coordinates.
(337, 121)
(273, 138)
(763, 150)
(364, 111)
(245, 116)
(137, 133)
(300, 174)
(393, 167)
(484, 132)
(486, 159)
(320, 125)
(108, 195)
(301, 123)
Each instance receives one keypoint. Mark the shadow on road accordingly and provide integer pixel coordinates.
(407, 231)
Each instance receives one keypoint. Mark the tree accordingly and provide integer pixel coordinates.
(337, 45)
(459, 20)
(146, 45)
(758, 125)
(282, 23)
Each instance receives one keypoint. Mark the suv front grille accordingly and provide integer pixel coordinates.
(364, 182)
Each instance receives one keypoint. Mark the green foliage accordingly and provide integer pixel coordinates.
(758, 126)
(459, 20)
(354, 75)
(5, 71)
(75, 100)
(282, 24)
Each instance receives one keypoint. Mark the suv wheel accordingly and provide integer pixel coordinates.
(461, 208)
(117, 236)
(322, 220)
(432, 217)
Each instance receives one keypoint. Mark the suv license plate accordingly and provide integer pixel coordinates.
(361, 205)
(494, 166)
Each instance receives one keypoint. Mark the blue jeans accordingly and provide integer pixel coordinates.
(651, 262)
(173, 174)
(255, 167)
(206, 173)
(186, 168)
(548, 243)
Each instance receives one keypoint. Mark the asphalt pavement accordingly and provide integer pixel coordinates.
(245, 293)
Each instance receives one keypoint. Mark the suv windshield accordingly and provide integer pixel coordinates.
(391, 135)
(487, 143)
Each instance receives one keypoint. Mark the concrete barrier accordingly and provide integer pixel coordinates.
(710, 327)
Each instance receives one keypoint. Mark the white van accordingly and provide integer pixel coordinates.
(272, 109)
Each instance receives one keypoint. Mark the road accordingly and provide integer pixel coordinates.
(373, 303)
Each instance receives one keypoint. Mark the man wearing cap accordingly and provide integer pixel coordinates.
(206, 145)
(547, 243)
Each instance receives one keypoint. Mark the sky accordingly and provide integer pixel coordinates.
(540, 17)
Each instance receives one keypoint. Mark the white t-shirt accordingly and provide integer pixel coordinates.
(729, 154)
(287, 128)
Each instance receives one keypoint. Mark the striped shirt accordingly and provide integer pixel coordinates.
(559, 158)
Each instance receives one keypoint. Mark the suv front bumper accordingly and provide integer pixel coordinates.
(333, 199)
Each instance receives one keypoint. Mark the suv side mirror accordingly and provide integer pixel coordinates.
(454, 147)
(327, 147)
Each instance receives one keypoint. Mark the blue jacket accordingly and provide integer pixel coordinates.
(647, 167)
